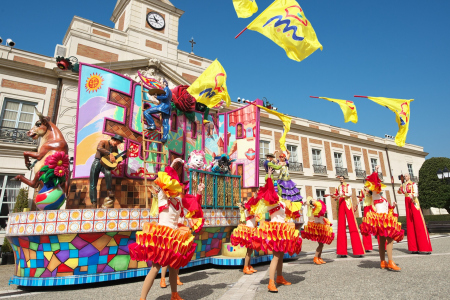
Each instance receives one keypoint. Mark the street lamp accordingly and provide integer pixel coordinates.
(444, 174)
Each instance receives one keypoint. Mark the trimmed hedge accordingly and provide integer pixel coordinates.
(433, 192)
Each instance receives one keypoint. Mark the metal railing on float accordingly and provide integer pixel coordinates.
(221, 191)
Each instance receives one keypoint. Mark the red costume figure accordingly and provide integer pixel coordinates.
(243, 234)
(320, 229)
(277, 235)
(168, 243)
(367, 239)
(418, 237)
(382, 222)
(343, 195)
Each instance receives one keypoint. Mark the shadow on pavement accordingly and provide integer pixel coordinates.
(196, 276)
(197, 292)
(291, 277)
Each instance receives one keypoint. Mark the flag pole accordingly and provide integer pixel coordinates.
(360, 96)
(240, 33)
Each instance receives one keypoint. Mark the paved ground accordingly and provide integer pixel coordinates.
(422, 277)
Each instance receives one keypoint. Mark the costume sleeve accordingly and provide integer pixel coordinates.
(336, 191)
(416, 190)
(101, 148)
(193, 205)
(349, 191)
(165, 96)
(274, 166)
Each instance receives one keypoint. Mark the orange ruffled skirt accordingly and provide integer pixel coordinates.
(382, 225)
(317, 232)
(277, 237)
(243, 236)
(163, 245)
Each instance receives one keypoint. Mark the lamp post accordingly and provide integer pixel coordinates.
(444, 175)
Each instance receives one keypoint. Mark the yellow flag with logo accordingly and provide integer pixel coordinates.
(401, 108)
(245, 8)
(286, 125)
(347, 107)
(284, 22)
(211, 87)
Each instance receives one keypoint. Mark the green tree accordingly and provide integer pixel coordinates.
(433, 192)
(6, 247)
(21, 200)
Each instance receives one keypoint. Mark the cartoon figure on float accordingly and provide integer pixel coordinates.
(51, 166)
(164, 108)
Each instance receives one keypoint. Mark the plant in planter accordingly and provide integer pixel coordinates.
(7, 253)
(21, 203)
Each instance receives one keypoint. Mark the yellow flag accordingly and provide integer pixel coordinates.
(402, 110)
(245, 8)
(211, 87)
(284, 22)
(286, 124)
(348, 108)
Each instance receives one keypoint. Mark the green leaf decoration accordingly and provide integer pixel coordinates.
(44, 168)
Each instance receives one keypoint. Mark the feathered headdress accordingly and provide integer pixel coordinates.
(373, 183)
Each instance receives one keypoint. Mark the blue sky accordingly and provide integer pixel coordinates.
(397, 49)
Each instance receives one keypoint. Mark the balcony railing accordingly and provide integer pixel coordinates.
(295, 167)
(360, 173)
(320, 169)
(341, 171)
(221, 191)
(414, 178)
(16, 136)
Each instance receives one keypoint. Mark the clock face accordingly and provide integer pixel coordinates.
(155, 20)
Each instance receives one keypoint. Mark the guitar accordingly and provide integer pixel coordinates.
(112, 165)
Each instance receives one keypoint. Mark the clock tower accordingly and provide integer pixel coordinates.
(151, 25)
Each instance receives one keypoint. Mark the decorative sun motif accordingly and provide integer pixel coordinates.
(94, 83)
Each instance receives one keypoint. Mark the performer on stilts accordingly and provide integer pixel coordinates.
(367, 198)
(416, 229)
(286, 187)
(168, 243)
(382, 222)
(320, 229)
(243, 234)
(343, 194)
(287, 239)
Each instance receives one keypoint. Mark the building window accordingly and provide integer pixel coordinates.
(373, 163)
(17, 114)
(317, 157)
(410, 171)
(320, 195)
(338, 160)
(294, 154)
(240, 131)
(8, 194)
(357, 161)
(263, 148)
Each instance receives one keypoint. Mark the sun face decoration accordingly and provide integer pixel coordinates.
(94, 83)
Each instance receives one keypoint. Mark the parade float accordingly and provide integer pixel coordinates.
(81, 244)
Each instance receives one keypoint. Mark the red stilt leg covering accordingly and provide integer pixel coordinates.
(357, 245)
(367, 239)
(417, 233)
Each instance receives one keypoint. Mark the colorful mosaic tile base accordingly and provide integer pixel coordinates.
(99, 220)
(83, 279)
(94, 253)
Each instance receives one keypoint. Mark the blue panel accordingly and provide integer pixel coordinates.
(47, 247)
(73, 253)
(113, 249)
(103, 259)
(64, 246)
(83, 261)
(53, 239)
